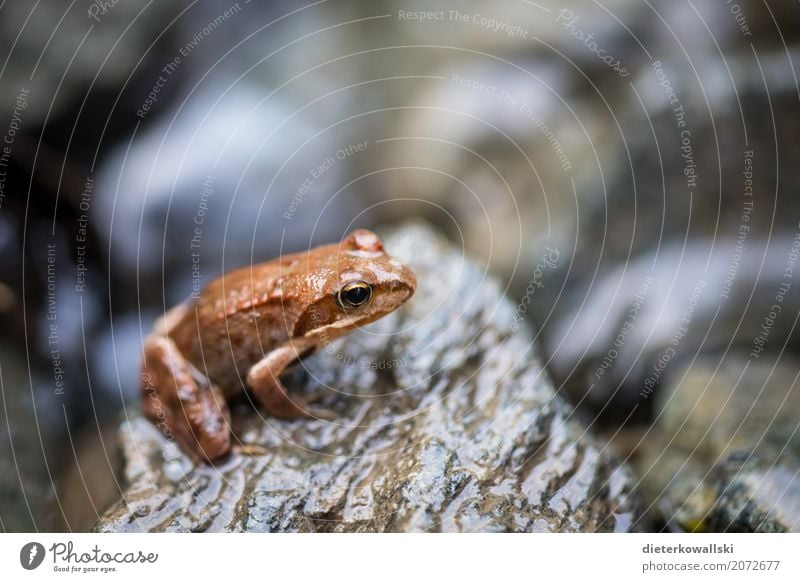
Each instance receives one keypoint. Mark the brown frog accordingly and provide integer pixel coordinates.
(247, 326)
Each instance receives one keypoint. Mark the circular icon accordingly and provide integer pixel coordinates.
(31, 555)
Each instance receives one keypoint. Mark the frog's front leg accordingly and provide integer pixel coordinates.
(182, 402)
(263, 379)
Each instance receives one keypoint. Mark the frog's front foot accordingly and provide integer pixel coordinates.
(271, 393)
(183, 403)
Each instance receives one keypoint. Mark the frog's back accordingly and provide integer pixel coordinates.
(238, 318)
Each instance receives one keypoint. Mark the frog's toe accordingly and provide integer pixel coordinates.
(204, 429)
(299, 407)
(320, 413)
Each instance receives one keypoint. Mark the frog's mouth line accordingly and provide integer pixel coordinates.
(345, 325)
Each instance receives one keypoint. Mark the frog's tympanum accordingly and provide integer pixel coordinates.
(247, 326)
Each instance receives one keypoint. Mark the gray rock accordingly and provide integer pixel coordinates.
(725, 451)
(447, 422)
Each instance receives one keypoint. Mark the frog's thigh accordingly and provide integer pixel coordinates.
(182, 402)
(263, 380)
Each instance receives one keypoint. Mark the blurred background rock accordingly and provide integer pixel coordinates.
(632, 244)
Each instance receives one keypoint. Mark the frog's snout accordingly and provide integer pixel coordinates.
(404, 284)
(410, 280)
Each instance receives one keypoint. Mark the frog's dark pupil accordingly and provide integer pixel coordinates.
(356, 294)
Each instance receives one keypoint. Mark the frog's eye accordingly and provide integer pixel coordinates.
(355, 295)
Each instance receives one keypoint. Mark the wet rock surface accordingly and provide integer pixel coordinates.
(725, 451)
(446, 422)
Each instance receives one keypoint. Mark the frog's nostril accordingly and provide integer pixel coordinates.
(403, 288)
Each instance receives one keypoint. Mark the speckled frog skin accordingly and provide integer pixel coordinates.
(247, 326)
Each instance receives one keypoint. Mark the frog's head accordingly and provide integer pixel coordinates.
(357, 283)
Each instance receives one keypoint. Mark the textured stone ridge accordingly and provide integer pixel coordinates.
(446, 422)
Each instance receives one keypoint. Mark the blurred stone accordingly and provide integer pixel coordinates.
(697, 200)
(724, 454)
(447, 422)
(57, 51)
(32, 431)
(662, 308)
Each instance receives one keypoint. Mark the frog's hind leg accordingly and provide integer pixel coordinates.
(182, 402)
(270, 391)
